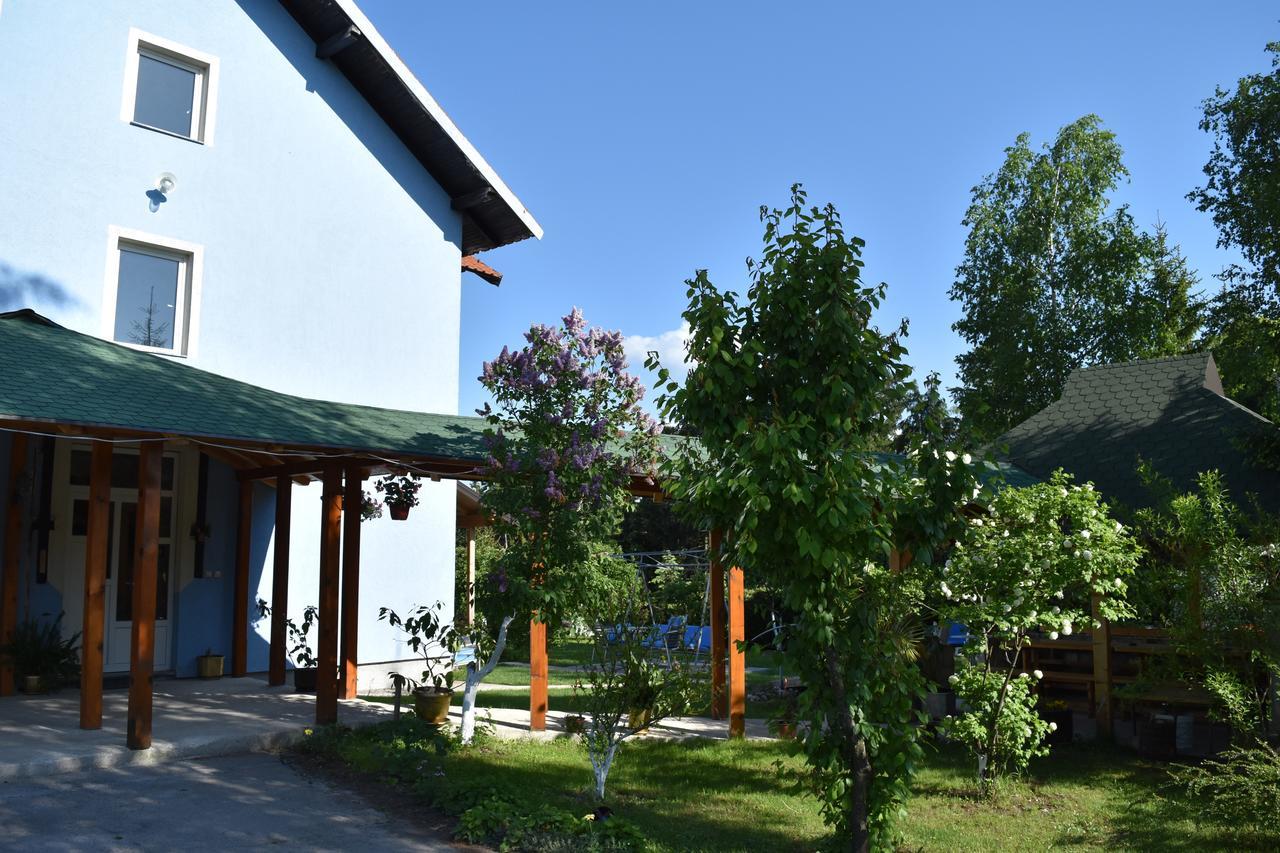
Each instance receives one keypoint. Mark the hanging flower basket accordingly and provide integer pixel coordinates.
(400, 493)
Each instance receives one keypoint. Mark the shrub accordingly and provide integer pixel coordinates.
(1240, 790)
(1019, 731)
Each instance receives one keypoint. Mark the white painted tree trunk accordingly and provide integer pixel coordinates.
(475, 675)
(601, 766)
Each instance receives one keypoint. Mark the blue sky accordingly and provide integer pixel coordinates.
(645, 137)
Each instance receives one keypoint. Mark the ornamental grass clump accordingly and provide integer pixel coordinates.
(1036, 560)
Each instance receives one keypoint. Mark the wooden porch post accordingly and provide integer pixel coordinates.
(737, 658)
(327, 641)
(12, 568)
(351, 500)
(240, 604)
(95, 587)
(280, 582)
(471, 575)
(537, 676)
(718, 696)
(1101, 672)
(146, 554)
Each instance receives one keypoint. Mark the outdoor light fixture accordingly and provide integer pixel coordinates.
(166, 183)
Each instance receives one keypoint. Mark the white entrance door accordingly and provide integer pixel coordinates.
(122, 522)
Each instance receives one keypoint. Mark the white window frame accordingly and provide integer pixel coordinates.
(186, 323)
(205, 104)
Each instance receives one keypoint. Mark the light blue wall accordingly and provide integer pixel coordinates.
(331, 260)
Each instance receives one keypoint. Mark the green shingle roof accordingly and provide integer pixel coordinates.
(51, 374)
(1169, 411)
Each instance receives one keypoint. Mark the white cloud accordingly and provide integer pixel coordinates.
(669, 345)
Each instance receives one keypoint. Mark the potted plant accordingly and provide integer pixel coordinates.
(400, 492)
(304, 659)
(575, 724)
(428, 636)
(41, 658)
(209, 665)
(370, 507)
(1056, 712)
(784, 726)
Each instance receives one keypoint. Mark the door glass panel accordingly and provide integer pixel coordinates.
(124, 471)
(166, 518)
(80, 467)
(166, 474)
(162, 582)
(124, 582)
(79, 518)
(111, 535)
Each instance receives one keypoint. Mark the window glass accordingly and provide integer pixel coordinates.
(147, 299)
(166, 95)
(80, 518)
(80, 467)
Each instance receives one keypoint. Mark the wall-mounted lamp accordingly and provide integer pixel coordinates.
(166, 183)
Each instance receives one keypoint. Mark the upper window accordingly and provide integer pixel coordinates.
(169, 87)
(152, 292)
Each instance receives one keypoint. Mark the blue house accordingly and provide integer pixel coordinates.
(220, 214)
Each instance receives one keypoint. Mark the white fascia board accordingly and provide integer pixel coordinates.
(437, 112)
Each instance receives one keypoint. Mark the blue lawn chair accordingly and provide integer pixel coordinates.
(697, 638)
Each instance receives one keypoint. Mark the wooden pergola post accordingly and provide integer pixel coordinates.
(240, 585)
(280, 583)
(12, 568)
(95, 586)
(1101, 671)
(537, 676)
(719, 699)
(351, 501)
(146, 555)
(737, 658)
(327, 640)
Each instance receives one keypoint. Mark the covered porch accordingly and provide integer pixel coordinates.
(61, 385)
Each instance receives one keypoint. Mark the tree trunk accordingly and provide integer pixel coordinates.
(853, 748)
(476, 675)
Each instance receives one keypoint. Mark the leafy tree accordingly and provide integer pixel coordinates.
(1243, 188)
(564, 439)
(1220, 568)
(787, 396)
(1033, 561)
(1054, 278)
(921, 405)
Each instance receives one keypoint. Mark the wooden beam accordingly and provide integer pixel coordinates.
(719, 698)
(1101, 672)
(537, 676)
(338, 42)
(327, 640)
(240, 586)
(737, 658)
(351, 517)
(471, 576)
(11, 570)
(280, 583)
(145, 557)
(466, 201)
(97, 534)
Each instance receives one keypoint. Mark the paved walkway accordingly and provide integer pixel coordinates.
(241, 802)
(512, 723)
(41, 734)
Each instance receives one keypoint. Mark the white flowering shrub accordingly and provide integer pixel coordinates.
(1034, 561)
(1019, 731)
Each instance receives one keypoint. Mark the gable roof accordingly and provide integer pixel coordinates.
(492, 215)
(1169, 411)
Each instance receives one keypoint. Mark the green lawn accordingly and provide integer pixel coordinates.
(727, 796)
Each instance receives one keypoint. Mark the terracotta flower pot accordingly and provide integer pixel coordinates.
(638, 718)
(33, 684)
(786, 729)
(399, 512)
(304, 679)
(432, 705)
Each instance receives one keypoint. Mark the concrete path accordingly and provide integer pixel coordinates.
(242, 802)
(41, 734)
(512, 723)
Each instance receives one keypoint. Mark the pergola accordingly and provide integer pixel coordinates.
(64, 384)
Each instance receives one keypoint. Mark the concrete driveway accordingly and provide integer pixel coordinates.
(233, 802)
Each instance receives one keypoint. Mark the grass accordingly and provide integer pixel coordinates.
(728, 796)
